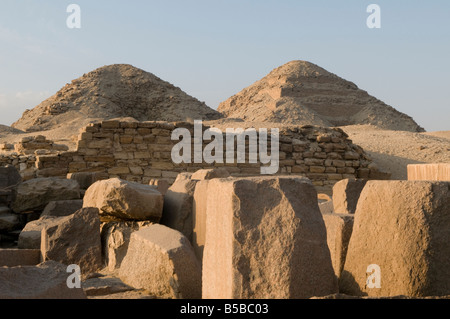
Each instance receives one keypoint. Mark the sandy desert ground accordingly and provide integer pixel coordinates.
(392, 151)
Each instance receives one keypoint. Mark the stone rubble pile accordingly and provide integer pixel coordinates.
(211, 235)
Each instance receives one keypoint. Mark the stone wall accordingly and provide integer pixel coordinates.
(141, 151)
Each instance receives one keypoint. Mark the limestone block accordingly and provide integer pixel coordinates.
(30, 236)
(36, 193)
(403, 227)
(161, 260)
(339, 230)
(204, 174)
(115, 241)
(346, 193)
(178, 200)
(265, 238)
(199, 217)
(86, 179)
(161, 185)
(125, 200)
(44, 281)
(62, 208)
(74, 239)
(19, 257)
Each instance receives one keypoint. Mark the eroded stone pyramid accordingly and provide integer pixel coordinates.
(113, 91)
(301, 92)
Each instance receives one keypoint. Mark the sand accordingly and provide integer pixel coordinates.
(392, 151)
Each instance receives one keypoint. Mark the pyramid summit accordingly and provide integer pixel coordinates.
(300, 92)
(119, 90)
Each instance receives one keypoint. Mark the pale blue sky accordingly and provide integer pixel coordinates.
(213, 49)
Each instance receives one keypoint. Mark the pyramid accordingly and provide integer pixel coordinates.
(114, 91)
(303, 93)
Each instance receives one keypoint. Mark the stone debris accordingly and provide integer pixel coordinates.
(402, 227)
(161, 260)
(346, 194)
(19, 257)
(74, 239)
(141, 226)
(178, 200)
(62, 208)
(9, 180)
(265, 238)
(125, 200)
(30, 236)
(47, 280)
(38, 145)
(103, 285)
(115, 241)
(205, 174)
(86, 179)
(36, 193)
(339, 230)
(200, 201)
(161, 185)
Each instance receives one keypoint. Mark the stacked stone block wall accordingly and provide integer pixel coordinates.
(141, 151)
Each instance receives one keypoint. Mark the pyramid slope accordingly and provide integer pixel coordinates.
(301, 92)
(113, 91)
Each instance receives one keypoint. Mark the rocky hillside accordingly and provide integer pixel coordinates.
(300, 92)
(6, 130)
(114, 91)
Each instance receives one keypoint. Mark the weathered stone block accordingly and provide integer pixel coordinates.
(74, 239)
(265, 238)
(317, 169)
(161, 261)
(111, 124)
(126, 139)
(36, 193)
(403, 227)
(346, 194)
(199, 217)
(19, 257)
(178, 201)
(205, 174)
(118, 170)
(62, 208)
(115, 240)
(125, 200)
(101, 143)
(45, 281)
(30, 236)
(86, 179)
(339, 230)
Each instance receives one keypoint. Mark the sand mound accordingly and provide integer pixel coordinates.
(302, 93)
(114, 91)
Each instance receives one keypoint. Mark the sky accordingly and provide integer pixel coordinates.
(213, 49)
